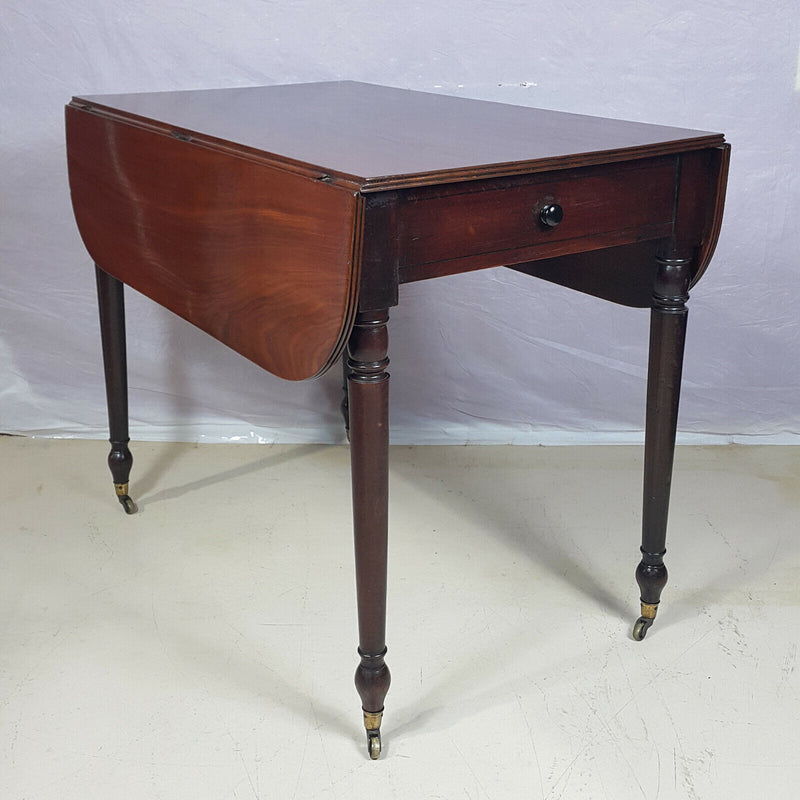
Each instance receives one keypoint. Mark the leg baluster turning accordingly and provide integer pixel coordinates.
(112, 330)
(372, 683)
(667, 336)
(368, 413)
(651, 575)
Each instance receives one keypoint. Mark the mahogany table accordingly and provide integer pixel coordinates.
(282, 219)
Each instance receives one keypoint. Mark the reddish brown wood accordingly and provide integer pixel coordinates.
(482, 223)
(667, 340)
(269, 215)
(701, 204)
(380, 138)
(111, 304)
(262, 259)
(622, 275)
(368, 414)
(379, 259)
(627, 275)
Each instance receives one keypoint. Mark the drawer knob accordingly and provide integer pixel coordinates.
(551, 215)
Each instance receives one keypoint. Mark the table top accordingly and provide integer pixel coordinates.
(380, 137)
(257, 213)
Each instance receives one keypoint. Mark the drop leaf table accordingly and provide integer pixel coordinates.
(282, 219)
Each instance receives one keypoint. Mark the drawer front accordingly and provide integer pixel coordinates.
(610, 203)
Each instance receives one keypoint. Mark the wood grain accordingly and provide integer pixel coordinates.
(442, 232)
(262, 259)
(378, 137)
(281, 220)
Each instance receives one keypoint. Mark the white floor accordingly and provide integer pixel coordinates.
(205, 648)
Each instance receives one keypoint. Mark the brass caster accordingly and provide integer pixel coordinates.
(640, 628)
(645, 621)
(372, 722)
(128, 504)
(124, 498)
(374, 744)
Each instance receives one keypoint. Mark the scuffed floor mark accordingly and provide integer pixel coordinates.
(788, 680)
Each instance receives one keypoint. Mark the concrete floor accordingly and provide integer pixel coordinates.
(205, 647)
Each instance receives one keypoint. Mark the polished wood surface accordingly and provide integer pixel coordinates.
(268, 252)
(262, 259)
(380, 137)
(111, 302)
(627, 275)
(282, 220)
(368, 425)
(492, 223)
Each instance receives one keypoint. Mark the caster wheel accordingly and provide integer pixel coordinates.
(128, 504)
(374, 745)
(640, 628)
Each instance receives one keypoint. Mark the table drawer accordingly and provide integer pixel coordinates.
(488, 217)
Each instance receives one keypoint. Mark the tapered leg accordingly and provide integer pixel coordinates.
(345, 406)
(667, 336)
(368, 390)
(112, 331)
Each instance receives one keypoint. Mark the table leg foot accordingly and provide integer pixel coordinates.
(124, 498)
(651, 575)
(640, 628)
(644, 622)
(372, 723)
(372, 683)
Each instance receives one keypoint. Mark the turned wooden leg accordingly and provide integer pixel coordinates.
(345, 406)
(112, 331)
(368, 390)
(667, 336)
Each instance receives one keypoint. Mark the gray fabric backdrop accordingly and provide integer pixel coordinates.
(509, 359)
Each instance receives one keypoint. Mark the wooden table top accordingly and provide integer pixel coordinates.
(379, 137)
(256, 213)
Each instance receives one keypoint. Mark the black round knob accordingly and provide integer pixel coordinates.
(551, 215)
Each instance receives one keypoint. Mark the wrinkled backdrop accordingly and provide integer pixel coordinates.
(487, 357)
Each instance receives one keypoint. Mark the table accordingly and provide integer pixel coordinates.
(282, 219)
